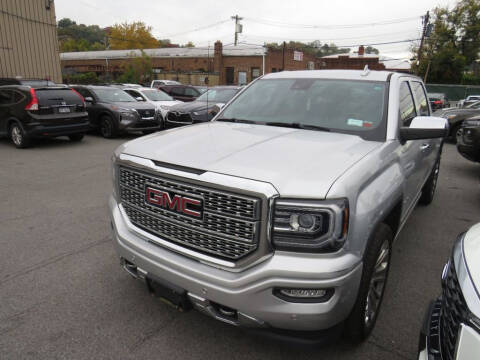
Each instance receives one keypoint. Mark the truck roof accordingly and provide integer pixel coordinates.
(371, 75)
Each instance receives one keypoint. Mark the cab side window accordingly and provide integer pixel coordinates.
(421, 102)
(407, 106)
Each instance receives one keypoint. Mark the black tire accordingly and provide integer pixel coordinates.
(108, 128)
(76, 137)
(428, 190)
(18, 136)
(455, 132)
(148, 132)
(376, 261)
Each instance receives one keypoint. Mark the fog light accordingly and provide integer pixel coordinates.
(304, 295)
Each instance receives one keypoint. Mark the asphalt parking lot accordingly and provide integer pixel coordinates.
(63, 294)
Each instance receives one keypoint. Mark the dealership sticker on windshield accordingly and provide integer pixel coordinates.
(359, 123)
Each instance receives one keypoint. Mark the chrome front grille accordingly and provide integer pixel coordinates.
(454, 312)
(229, 227)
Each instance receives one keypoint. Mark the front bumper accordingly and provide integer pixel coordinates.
(248, 292)
(141, 124)
(468, 343)
(429, 342)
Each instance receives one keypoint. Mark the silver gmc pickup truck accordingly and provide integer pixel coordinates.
(281, 212)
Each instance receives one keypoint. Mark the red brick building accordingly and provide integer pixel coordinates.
(223, 65)
(358, 61)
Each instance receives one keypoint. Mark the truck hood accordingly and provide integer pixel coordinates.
(296, 162)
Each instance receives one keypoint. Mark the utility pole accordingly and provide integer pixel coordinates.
(283, 55)
(238, 27)
(425, 20)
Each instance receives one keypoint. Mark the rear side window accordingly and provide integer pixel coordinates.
(407, 106)
(47, 97)
(5, 97)
(421, 103)
(18, 97)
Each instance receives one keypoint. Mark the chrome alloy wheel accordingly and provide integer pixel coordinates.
(16, 135)
(377, 284)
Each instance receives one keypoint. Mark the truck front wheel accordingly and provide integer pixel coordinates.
(376, 264)
(428, 190)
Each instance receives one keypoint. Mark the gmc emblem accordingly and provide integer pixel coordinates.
(170, 201)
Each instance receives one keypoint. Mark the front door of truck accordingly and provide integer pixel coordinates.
(409, 152)
(428, 147)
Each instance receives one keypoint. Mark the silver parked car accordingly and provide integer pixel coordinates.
(452, 327)
(281, 212)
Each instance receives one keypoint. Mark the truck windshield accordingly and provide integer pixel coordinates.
(345, 106)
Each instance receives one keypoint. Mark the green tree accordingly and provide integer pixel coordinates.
(136, 35)
(79, 37)
(453, 44)
(137, 70)
(371, 50)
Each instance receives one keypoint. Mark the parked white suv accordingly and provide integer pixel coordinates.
(162, 101)
(281, 212)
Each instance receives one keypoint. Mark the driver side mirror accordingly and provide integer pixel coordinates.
(425, 127)
(89, 99)
(216, 109)
(139, 98)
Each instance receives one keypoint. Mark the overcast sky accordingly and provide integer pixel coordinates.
(265, 20)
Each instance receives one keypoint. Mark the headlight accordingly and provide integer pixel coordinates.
(307, 225)
(472, 123)
(164, 107)
(124, 115)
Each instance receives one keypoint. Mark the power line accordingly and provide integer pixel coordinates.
(339, 26)
(325, 39)
(197, 29)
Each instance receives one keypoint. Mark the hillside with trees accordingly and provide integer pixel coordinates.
(451, 52)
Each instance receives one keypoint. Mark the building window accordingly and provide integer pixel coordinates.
(242, 77)
(255, 73)
(274, 69)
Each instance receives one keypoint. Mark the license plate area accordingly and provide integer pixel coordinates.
(63, 110)
(169, 293)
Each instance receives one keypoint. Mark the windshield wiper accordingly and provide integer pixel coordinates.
(298, 126)
(237, 120)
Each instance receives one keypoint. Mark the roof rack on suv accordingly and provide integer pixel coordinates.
(27, 82)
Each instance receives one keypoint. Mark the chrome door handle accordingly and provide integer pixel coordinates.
(424, 146)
